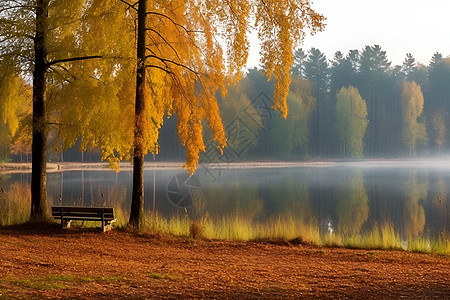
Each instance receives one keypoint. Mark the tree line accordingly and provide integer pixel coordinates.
(407, 110)
(355, 105)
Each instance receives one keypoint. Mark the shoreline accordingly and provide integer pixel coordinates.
(52, 167)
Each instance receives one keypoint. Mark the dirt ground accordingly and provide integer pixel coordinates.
(50, 263)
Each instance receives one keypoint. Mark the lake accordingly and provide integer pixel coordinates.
(347, 198)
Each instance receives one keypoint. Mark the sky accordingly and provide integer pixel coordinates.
(419, 27)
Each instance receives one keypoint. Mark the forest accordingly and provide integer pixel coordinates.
(383, 111)
(354, 105)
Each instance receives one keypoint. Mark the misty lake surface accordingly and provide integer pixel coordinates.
(348, 198)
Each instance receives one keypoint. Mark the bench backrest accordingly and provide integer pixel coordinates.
(83, 212)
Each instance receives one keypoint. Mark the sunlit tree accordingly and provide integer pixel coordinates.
(38, 38)
(438, 124)
(414, 131)
(178, 43)
(15, 109)
(351, 120)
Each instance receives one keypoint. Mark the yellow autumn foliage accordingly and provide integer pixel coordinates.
(194, 50)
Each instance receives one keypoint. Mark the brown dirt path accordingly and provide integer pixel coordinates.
(43, 263)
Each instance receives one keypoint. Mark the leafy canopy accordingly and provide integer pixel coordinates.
(351, 119)
(187, 65)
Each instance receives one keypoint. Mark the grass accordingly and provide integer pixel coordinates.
(162, 276)
(54, 281)
(381, 236)
(440, 245)
(17, 211)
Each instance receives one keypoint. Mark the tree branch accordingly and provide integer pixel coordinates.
(129, 5)
(51, 63)
(174, 63)
(160, 68)
(165, 41)
(172, 21)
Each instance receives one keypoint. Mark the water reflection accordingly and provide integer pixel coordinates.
(347, 200)
(415, 192)
(352, 203)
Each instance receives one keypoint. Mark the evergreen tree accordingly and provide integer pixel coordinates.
(298, 68)
(376, 89)
(316, 71)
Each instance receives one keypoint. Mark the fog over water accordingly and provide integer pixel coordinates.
(345, 197)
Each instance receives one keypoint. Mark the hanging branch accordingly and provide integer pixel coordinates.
(165, 41)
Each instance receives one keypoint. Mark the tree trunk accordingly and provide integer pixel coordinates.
(137, 201)
(39, 150)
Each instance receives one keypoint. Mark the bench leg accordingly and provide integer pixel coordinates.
(65, 224)
(106, 226)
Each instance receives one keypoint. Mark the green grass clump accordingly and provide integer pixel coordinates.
(177, 225)
(419, 244)
(111, 278)
(15, 204)
(310, 233)
(53, 281)
(41, 283)
(390, 238)
(277, 228)
(380, 237)
(238, 229)
(67, 278)
(441, 245)
(162, 276)
(121, 219)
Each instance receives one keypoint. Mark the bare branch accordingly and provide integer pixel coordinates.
(174, 63)
(160, 68)
(172, 21)
(129, 5)
(72, 59)
(165, 41)
(28, 7)
(59, 73)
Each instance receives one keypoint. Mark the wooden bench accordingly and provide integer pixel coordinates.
(69, 213)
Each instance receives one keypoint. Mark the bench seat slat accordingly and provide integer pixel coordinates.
(69, 213)
(82, 209)
(84, 218)
(87, 214)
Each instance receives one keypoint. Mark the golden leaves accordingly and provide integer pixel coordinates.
(412, 107)
(351, 119)
(15, 108)
(281, 26)
(186, 66)
(183, 43)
